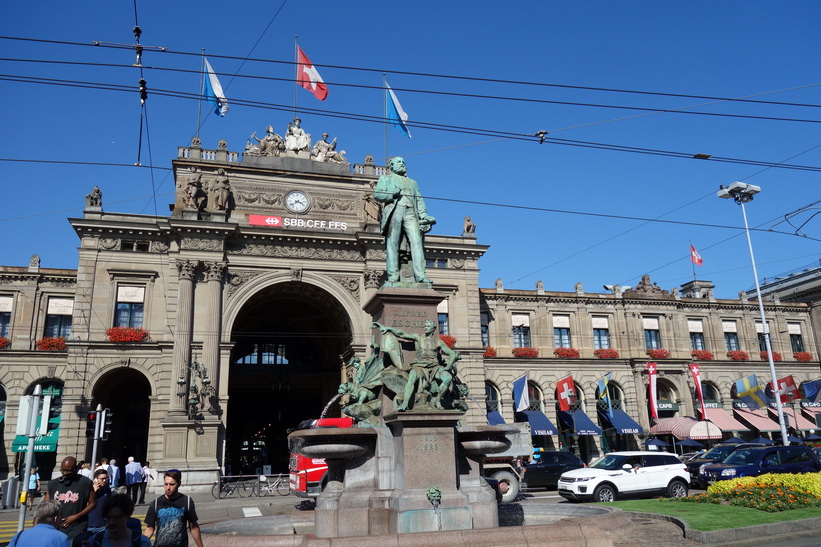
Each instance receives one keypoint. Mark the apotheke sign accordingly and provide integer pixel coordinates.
(291, 222)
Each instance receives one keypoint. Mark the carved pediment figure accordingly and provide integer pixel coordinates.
(326, 151)
(270, 145)
(296, 139)
(95, 198)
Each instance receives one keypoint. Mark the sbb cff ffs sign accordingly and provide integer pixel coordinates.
(289, 222)
(264, 220)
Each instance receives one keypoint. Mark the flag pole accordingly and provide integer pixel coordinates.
(385, 113)
(692, 264)
(199, 101)
(296, 68)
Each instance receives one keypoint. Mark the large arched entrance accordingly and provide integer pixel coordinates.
(126, 392)
(285, 368)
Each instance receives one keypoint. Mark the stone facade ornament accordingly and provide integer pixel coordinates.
(457, 263)
(742, 295)
(676, 293)
(579, 288)
(191, 185)
(109, 244)
(470, 226)
(540, 287)
(236, 279)
(349, 283)
(187, 269)
(219, 191)
(213, 271)
(326, 151)
(222, 144)
(95, 198)
(368, 159)
(334, 204)
(646, 288)
(373, 278)
(196, 244)
(296, 274)
(296, 139)
(159, 246)
(270, 145)
(34, 262)
(500, 286)
(195, 142)
(373, 212)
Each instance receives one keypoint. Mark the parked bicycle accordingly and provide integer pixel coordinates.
(231, 486)
(279, 484)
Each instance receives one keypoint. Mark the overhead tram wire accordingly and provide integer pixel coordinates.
(461, 78)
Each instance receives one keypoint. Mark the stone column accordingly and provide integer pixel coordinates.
(212, 320)
(182, 334)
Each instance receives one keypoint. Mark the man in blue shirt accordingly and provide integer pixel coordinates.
(113, 475)
(44, 533)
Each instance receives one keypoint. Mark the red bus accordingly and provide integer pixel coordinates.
(307, 477)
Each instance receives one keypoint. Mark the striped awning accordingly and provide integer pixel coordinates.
(687, 428)
(791, 416)
(724, 420)
(757, 419)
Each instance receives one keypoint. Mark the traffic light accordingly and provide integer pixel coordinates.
(91, 424)
(107, 414)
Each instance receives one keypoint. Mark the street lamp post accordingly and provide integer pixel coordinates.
(741, 193)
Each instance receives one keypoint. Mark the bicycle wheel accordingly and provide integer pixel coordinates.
(283, 486)
(225, 490)
(215, 490)
(245, 489)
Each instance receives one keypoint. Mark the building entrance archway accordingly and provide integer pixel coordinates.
(284, 368)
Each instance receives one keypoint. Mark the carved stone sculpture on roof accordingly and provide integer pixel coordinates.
(219, 191)
(373, 211)
(296, 139)
(270, 145)
(95, 198)
(192, 189)
(470, 226)
(326, 151)
(646, 288)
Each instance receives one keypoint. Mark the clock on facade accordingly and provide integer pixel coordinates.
(297, 201)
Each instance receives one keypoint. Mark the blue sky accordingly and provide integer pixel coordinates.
(764, 50)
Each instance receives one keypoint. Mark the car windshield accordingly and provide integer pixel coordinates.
(717, 452)
(743, 456)
(609, 461)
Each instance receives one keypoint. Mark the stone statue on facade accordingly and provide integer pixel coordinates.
(95, 198)
(470, 226)
(270, 145)
(34, 262)
(192, 189)
(219, 191)
(296, 139)
(372, 208)
(326, 151)
(404, 222)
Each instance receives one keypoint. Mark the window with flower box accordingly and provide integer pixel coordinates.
(652, 334)
(601, 332)
(130, 306)
(561, 331)
(58, 317)
(521, 330)
(484, 320)
(796, 340)
(696, 328)
(730, 335)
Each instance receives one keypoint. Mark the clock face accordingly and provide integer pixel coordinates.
(297, 201)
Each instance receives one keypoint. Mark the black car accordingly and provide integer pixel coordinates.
(751, 462)
(717, 454)
(546, 472)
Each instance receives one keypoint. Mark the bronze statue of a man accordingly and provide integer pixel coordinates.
(404, 216)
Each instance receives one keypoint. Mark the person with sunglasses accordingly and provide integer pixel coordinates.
(120, 529)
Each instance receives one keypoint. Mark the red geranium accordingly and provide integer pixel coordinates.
(566, 353)
(776, 356)
(527, 353)
(490, 352)
(51, 344)
(4, 342)
(738, 355)
(802, 356)
(449, 341)
(658, 353)
(702, 355)
(606, 354)
(126, 335)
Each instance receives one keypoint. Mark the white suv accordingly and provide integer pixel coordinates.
(638, 474)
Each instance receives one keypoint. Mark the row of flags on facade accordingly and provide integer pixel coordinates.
(307, 76)
(566, 393)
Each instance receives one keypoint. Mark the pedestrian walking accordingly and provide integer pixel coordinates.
(96, 522)
(120, 528)
(133, 478)
(44, 533)
(33, 488)
(76, 497)
(146, 475)
(172, 515)
(114, 476)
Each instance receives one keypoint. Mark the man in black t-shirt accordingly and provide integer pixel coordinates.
(172, 515)
(76, 497)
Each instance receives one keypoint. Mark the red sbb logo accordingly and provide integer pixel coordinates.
(264, 220)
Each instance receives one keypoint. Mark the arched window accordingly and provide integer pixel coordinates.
(535, 396)
(614, 392)
(491, 397)
(710, 392)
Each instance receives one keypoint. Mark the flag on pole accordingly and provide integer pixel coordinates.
(751, 392)
(396, 115)
(694, 369)
(604, 393)
(566, 388)
(695, 258)
(308, 77)
(212, 91)
(652, 373)
(812, 390)
(520, 396)
(788, 389)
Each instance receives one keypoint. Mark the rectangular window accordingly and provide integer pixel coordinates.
(561, 331)
(731, 340)
(652, 335)
(129, 312)
(697, 340)
(601, 332)
(762, 342)
(442, 316)
(6, 303)
(58, 317)
(521, 330)
(484, 319)
(796, 341)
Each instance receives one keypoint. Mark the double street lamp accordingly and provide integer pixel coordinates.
(741, 193)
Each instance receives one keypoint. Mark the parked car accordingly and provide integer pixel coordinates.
(751, 462)
(552, 463)
(817, 450)
(635, 474)
(686, 457)
(717, 454)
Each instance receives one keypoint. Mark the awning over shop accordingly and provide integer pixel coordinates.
(578, 421)
(724, 420)
(539, 423)
(791, 416)
(757, 419)
(495, 418)
(810, 412)
(687, 427)
(44, 443)
(624, 424)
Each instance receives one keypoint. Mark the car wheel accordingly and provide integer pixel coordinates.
(508, 485)
(604, 493)
(677, 489)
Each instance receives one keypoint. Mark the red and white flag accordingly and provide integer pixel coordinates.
(308, 77)
(652, 373)
(697, 380)
(695, 257)
(566, 390)
(788, 388)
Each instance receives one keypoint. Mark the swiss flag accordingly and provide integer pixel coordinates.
(788, 388)
(566, 390)
(308, 77)
(695, 257)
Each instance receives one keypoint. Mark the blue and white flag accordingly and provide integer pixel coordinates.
(520, 396)
(812, 391)
(395, 113)
(751, 392)
(212, 91)
(604, 393)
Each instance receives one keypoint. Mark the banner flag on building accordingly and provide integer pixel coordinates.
(395, 114)
(604, 393)
(212, 91)
(694, 369)
(751, 392)
(566, 388)
(652, 373)
(308, 77)
(695, 257)
(812, 390)
(520, 397)
(788, 389)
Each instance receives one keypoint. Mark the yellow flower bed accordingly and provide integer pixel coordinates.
(806, 482)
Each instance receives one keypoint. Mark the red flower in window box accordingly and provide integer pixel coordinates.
(4, 342)
(126, 335)
(737, 355)
(51, 344)
(490, 352)
(449, 341)
(802, 356)
(658, 353)
(776, 356)
(566, 353)
(702, 355)
(606, 354)
(526, 353)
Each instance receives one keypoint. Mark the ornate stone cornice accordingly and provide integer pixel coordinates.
(213, 271)
(187, 269)
(199, 244)
(349, 283)
(293, 251)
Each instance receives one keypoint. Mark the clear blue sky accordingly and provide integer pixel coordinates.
(718, 49)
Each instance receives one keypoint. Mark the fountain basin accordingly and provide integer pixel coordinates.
(333, 444)
(485, 439)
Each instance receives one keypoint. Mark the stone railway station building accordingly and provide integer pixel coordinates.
(252, 293)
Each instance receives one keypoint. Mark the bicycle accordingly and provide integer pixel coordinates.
(281, 485)
(225, 488)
